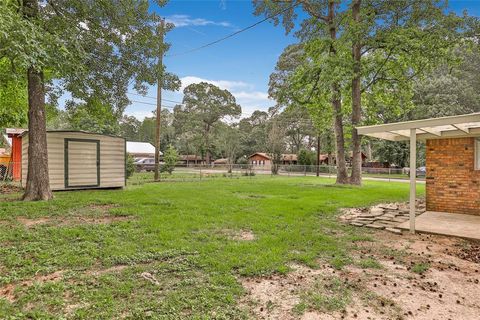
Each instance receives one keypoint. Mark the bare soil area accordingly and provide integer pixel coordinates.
(73, 220)
(8, 291)
(404, 277)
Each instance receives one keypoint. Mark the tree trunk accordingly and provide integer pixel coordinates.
(356, 177)
(38, 183)
(342, 175)
(369, 151)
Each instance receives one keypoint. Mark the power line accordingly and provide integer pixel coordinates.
(154, 98)
(235, 33)
(243, 113)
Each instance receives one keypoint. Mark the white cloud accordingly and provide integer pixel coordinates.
(139, 114)
(244, 93)
(182, 20)
(223, 84)
(253, 95)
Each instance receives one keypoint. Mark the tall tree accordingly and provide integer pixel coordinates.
(276, 144)
(228, 143)
(90, 46)
(129, 126)
(93, 115)
(204, 105)
(253, 132)
(369, 49)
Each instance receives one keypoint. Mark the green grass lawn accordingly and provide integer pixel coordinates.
(176, 254)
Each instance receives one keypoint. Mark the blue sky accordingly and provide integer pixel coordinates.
(241, 64)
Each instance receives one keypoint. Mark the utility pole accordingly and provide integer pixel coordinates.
(161, 30)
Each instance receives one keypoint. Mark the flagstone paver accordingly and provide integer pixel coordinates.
(382, 216)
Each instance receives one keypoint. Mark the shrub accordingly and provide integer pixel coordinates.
(170, 160)
(130, 166)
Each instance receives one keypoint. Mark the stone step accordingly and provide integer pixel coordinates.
(364, 219)
(394, 230)
(357, 224)
(375, 226)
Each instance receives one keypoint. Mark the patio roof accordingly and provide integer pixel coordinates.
(466, 125)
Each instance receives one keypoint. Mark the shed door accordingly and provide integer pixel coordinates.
(82, 163)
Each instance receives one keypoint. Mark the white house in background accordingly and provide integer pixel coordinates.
(141, 149)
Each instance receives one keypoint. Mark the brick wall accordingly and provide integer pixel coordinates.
(453, 184)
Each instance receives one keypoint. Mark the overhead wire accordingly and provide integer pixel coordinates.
(234, 33)
(210, 44)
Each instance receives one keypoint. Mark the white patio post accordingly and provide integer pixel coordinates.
(413, 177)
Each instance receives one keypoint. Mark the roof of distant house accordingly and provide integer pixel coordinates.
(289, 157)
(221, 161)
(140, 148)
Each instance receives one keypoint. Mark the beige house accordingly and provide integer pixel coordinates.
(81, 160)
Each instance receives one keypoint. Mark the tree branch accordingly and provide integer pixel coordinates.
(308, 7)
(374, 78)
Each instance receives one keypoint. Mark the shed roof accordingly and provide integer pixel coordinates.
(140, 148)
(466, 125)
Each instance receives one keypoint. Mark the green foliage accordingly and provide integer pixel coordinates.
(398, 43)
(326, 295)
(170, 159)
(13, 97)
(92, 116)
(420, 267)
(369, 263)
(130, 166)
(306, 157)
(129, 127)
(95, 52)
(254, 132)
(204, 106)
(276, 145)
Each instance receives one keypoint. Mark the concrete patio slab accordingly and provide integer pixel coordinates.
(450, 224)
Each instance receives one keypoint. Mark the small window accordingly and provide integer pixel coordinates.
(477, 154)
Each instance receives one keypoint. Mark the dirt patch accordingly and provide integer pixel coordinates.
(104, 208)
(308, 294)
(414, 277)
(470, 252)
(8, 291)
(71, 220)
(9, 189)
(275, 297)
(423, 275)
(239, 235)
(33, 222)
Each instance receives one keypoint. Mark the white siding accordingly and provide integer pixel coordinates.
(112, 160)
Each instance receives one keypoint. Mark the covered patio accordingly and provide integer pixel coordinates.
(453, 171)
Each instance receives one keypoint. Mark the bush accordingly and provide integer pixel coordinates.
(130, 166)
(170, 160)
(306, 157)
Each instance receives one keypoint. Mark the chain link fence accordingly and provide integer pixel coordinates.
(203, 171)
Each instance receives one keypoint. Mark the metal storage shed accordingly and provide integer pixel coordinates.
(81, 160)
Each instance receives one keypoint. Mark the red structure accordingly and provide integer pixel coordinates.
(16, 156)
